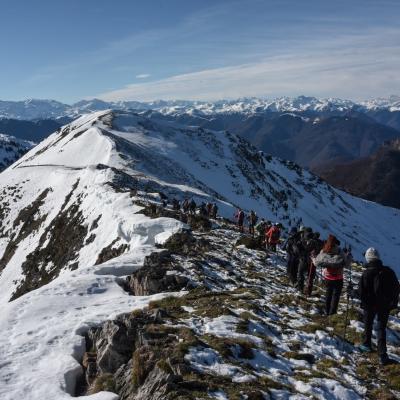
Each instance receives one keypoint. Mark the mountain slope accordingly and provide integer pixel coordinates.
(311, 140)
(78, 216)
(373, 178)
(34, 131)
(11, 149)
(67, 183)
(259, 338)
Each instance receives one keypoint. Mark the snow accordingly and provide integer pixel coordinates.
(41, 339)
(36, 109)
(42, 332)
(206, 360)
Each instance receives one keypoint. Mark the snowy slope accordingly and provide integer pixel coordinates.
(69, 174)
(68, 206)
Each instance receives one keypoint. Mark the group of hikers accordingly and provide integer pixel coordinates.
(308, 257)
(265, 231)
(209, 209)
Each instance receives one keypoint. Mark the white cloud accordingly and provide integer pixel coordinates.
(143, 76)
(352, 67)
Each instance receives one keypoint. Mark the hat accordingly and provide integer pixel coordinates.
(372, 254)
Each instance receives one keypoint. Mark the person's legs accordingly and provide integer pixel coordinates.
(311, 277)
(383, 317)
(302, 270)
(336, 292)
(328, 296)
(369, 315)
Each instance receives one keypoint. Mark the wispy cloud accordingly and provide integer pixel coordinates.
(143, 76)
(359, 66)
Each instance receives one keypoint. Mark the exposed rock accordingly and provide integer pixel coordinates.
(59, 246)
(110, 252)
(199, 222)
(114, 343)
(254, 243)
(30, 220)
(180, 242)
(158, 274)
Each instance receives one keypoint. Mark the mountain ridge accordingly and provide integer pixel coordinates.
(85, 237)
(41, 109)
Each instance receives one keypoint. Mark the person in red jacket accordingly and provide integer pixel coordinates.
(272, 236)
(333, 261)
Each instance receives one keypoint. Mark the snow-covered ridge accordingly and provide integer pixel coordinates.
(42, 109)
(73, 225)
(83, 179)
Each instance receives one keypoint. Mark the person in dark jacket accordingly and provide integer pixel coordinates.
(333, 261)
(315, 248)
(252, 217)
(239, 216)
(292, 254)
(378, 291)
(305, 246)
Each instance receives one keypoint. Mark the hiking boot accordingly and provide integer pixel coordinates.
(363, 348)
(385, 360)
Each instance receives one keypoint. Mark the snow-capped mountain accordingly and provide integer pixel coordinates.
(68, 181)
(32, 109)
(392, 103)
(75, 222)
(42, 109)
(11, 149)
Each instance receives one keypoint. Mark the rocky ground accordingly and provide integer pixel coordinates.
(237, 330)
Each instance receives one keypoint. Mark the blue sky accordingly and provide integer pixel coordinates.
(144, 50)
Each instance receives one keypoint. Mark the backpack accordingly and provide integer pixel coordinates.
(386, 288)
(275, 234)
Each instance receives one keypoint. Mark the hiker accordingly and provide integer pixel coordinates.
(185, 206)
(272, 236)
(333, 261)
(239, 219)
(292, 254)
(315, 248)
(305, 246)
(203, 209)
(261, 228)
(214, 211)
(175, 205)
(192, 207)
(378, 291)
(252, 222)
(209, 209)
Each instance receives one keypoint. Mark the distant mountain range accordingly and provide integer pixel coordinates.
(50, 109)
(315, 133)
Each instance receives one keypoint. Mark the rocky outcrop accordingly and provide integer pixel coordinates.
(111, 251)
(138, 356)
(158, 274)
